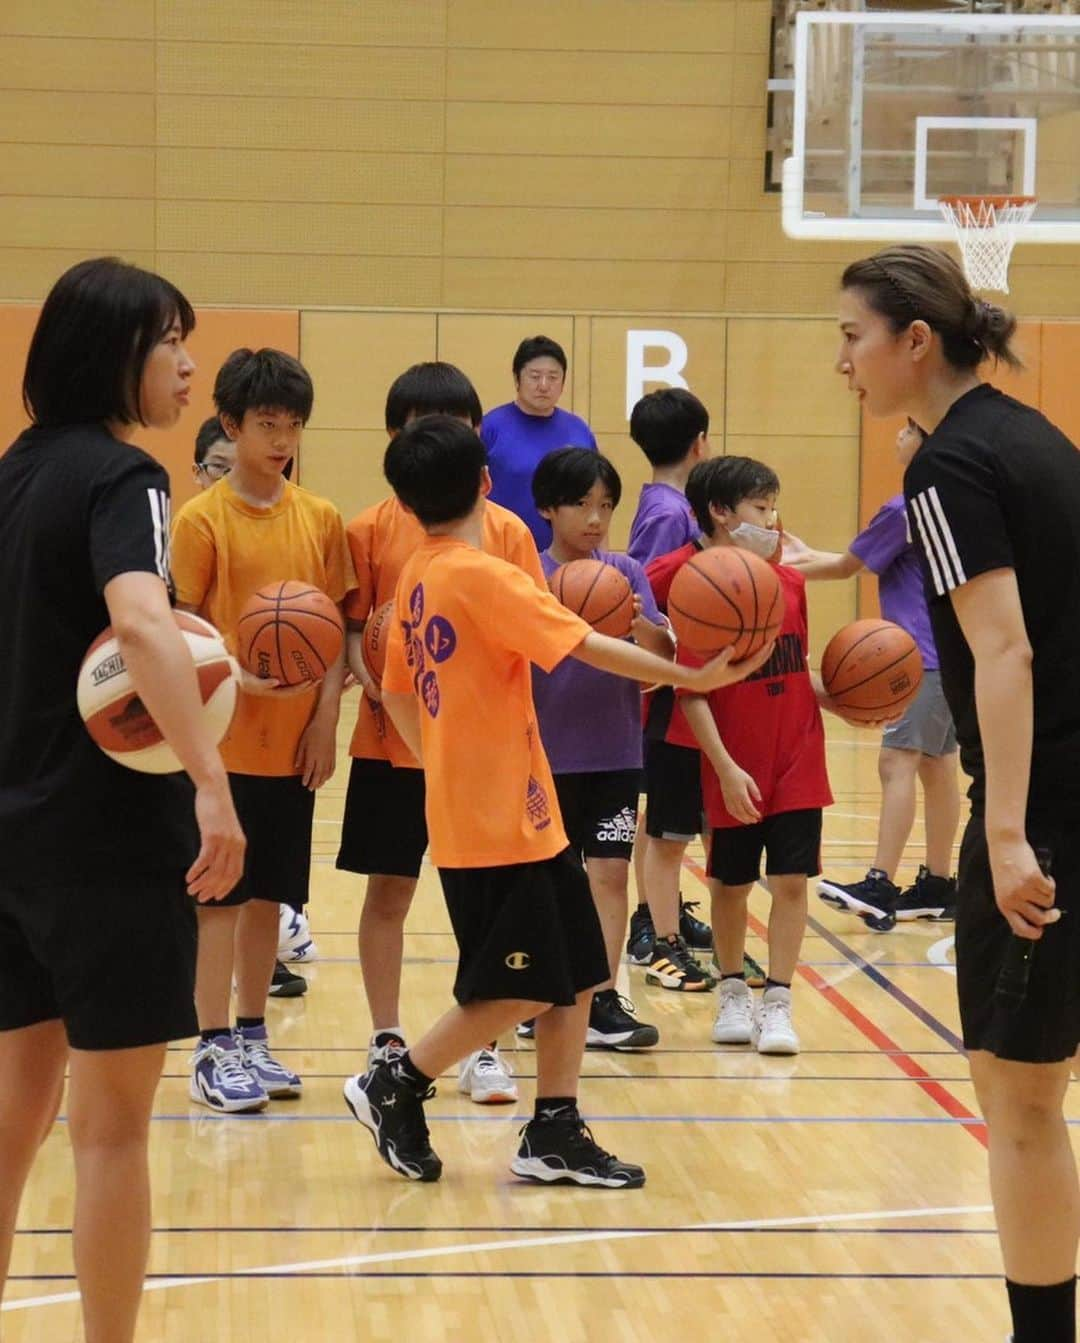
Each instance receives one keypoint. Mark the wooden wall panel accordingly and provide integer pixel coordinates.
(781, 380)
(76, 170)
(343, 177)
(705, 369)
(569, 235)
(1060, 364)
(577, 128)
(36, 116)
(634, 471)
(90, 64)
(589, 286)
(641, 77)
(587, 182)
(345, 466)
(79, 18)
(600, 25)
(314, 122)
(353, 357)
(419, 23)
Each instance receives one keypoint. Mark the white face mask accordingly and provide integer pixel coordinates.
(761, 541)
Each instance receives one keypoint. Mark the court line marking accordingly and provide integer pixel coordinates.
(869, 1029)
(499, 1246)
(938, 955)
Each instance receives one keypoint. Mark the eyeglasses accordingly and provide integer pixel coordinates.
(537, 379)
(215, 470)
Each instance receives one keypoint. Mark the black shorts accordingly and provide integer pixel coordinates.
(529, 931)
(114, 959)
(276, 814)
(673, 784)
(383, 830)
(599, 811)
(790, 840)
(1045, 1028)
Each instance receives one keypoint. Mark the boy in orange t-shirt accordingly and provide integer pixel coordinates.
(251, 528)
(383, 831)
(458, 688)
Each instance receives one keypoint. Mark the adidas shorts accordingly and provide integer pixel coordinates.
(673, 783)
(276, 813)
(599, 811)
(112, 958)
(1045, 1027)
(384, 830)
(527, 930)
(790, 840)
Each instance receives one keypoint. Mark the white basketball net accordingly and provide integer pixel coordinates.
(986, 229)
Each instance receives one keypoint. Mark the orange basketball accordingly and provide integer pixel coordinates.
(290, 632)
(872, 669)
(376, 634)
(598, 593)
(726, 596)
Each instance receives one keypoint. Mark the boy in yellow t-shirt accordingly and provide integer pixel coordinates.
(383, 833)
(252, 528)
(458, 687)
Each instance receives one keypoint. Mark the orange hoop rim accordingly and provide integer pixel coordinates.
(996, 202)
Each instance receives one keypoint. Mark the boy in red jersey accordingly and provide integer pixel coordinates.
(764, 780)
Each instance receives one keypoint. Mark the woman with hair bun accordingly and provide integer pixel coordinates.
(993, 499)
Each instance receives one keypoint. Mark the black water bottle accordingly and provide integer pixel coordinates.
(1012, 982)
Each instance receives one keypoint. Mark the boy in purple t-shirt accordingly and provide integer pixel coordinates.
(671, 427)
(590, 721)
(922, 744)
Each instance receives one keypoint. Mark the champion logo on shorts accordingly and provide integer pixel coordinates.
(518, 960)
(536, 805)
(618, 829)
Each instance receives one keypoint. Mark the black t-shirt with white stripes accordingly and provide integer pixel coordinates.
(77, 508)
(997, 486)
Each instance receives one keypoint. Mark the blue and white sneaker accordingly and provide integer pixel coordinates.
(220, 1079)
(295, 942)
(274, 1078)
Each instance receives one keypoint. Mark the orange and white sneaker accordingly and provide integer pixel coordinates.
(486, 1078)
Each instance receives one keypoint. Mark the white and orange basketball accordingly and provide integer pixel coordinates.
(116, 717)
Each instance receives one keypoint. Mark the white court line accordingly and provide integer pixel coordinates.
(530, 1243)
(938, 954)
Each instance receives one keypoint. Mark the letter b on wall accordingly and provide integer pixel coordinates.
(667, 370)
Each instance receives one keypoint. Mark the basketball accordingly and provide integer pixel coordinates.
(872, 669)
(376, 634)
(726, 597)
(598, 593)
(290, 632)
(116, 717)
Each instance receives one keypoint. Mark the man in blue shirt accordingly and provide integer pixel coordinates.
(520, 433)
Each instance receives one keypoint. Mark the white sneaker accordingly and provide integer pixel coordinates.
(734, 1022)
(773, 1030)
(221, 1079)
(295, 942)
(486, 1079)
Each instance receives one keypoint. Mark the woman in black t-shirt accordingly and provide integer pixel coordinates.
(993, 499)
(89, 850)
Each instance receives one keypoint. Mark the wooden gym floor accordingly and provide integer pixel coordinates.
(838, 1195)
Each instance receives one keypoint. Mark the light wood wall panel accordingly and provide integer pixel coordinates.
(76, 170)
(600, 25)
(587, 182)
(583, 285)
(79, 18)
(330, 281)
(353, 357)
(634, 471)
(570, 235)
(374, 23)
(342, 177)
(38, 116)
(345, 466)
(98, 65)
(641, 77)
(781, 380)
(313, 122)
(705, 370)
(577, 128)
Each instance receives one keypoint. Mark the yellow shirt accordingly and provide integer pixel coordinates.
(222, 551)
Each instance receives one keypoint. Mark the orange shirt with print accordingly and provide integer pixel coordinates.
(468, 627)
(381, 539)
(222, 550)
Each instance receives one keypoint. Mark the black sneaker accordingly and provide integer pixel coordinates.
(639, 944)
(612, 1024)
(393, 1113)
(930, 898)
(696, 935)
(873, 899)
(561, 1150)
(752, 972)
(673, 967)
(285, 984)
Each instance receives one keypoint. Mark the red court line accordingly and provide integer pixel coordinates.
(940, 1095)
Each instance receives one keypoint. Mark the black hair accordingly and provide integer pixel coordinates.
(210, 432)
(93, 336)
(665, 424)
(434, 388)
(263, 380)
(566, 476)
(909, 283)
(435, 467)
(724, 482)
(538, 347)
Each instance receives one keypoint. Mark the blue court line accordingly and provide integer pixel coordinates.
(544, 1228)
(749, 1078)
(713, 1051)
(305, 966)
(264, 1118)
(884, 982)
(216, 1275)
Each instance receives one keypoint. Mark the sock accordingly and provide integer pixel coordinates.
(771, 983)
(406, 1072)
(1043, 1314)
(555, 1107)
(877, 874)
(741, 974)
(215, 1030)
(383, 1031)
(492, 1046)
(643, 905)
(245, 1023)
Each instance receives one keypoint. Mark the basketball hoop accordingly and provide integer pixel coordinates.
(986, 228)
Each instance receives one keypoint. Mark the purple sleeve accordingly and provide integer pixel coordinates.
(884, 538)
(642, 588)
(659, 533)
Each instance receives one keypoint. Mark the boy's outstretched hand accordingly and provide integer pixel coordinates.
(721, 671)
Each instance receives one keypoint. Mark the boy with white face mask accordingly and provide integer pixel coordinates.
(764, 781)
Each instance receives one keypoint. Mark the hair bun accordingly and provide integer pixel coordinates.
(991, 327)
